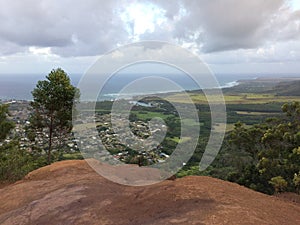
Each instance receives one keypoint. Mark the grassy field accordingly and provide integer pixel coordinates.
(235, 99)
(143, 115)
(191, 122)
(256, 113)
(180, 140)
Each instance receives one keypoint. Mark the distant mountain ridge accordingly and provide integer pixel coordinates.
(277, 86)
(291, 88)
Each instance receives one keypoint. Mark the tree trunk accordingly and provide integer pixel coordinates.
(50, 140)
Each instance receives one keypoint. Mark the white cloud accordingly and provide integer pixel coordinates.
(40, 51)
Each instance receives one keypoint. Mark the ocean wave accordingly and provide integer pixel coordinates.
(230, 84)
(133, 94)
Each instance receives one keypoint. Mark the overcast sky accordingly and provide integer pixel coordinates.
(232, 36)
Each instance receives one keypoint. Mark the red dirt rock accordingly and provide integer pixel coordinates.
(70, 192)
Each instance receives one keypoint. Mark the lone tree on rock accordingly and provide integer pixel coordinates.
(51, 119)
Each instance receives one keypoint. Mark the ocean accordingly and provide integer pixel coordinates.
(19, 86)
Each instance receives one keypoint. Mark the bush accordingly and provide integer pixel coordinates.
(15, 163)
(279, 184)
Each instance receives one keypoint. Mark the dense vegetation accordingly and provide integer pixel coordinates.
(264, 157)
(273, 148)
(288, 88)
(15, 162)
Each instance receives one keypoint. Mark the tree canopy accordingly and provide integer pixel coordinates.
(274, 147)
(5, 124)
(14, 162)
(52, 104)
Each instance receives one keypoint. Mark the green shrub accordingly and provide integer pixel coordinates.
(279, 183)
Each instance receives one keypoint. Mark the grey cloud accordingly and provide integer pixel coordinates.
(230, 24)
(8, 48)
(72, 28)
(92, 27)
(159, 34)
(31, 23)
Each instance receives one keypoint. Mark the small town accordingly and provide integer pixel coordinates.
(151, 151)
(117, 143)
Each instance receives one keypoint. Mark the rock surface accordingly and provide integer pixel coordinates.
(70, 192)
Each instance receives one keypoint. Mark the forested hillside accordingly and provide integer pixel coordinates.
(264, 157)
(288, 88)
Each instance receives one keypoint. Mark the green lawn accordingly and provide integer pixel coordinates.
(180, 140)
(191, 122)
(144, 115)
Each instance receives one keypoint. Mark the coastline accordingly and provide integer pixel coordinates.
(263, 81)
